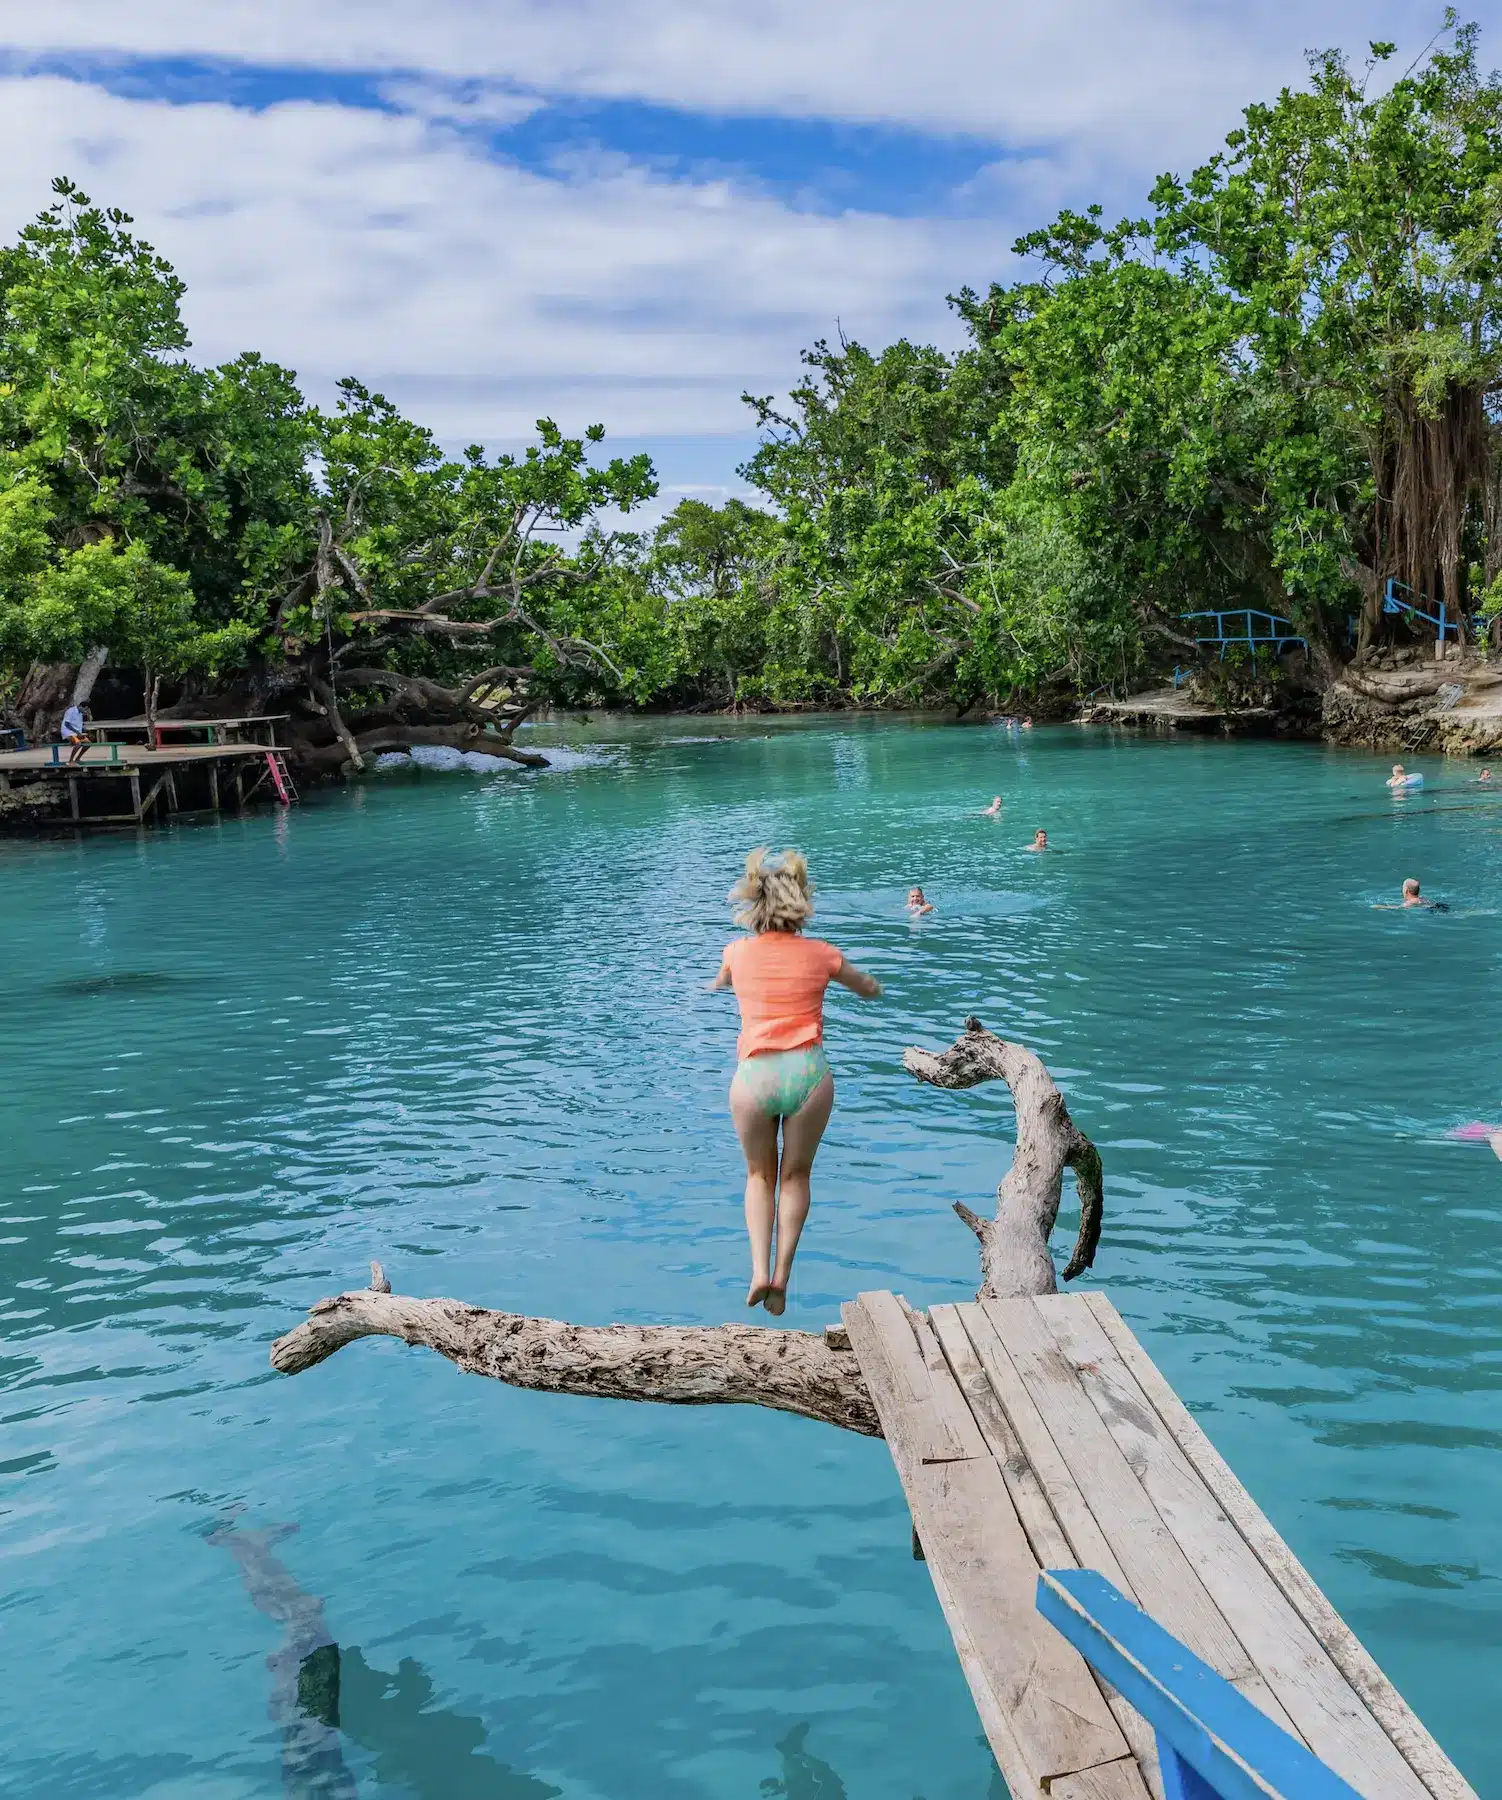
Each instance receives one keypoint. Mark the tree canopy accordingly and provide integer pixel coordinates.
(1276, 389)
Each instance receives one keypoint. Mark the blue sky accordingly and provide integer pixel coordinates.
(626, 210)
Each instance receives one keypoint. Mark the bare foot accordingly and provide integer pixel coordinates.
(776, 1299)
(758, 1292)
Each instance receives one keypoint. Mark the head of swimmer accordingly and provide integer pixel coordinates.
(774, 894)
(1411, 895)
(1040, 840)
(916, 897)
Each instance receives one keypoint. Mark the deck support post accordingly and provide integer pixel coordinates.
(214, 785)
(73, 796)
(135, 794)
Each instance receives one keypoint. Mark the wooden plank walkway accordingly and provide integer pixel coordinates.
(1038, 1433)
(98, 760)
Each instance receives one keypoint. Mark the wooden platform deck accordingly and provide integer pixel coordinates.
(1038, 1433)
(101, 759)
(117, 784)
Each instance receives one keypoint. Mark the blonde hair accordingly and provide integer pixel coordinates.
(774, 894)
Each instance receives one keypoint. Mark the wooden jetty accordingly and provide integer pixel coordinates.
(1036, 1433)
(133, 784)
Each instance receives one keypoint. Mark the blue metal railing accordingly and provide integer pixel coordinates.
(1420, 607)
(1254, 628)
(1212, 1743)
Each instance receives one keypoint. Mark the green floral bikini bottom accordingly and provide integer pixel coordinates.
(781, 1081)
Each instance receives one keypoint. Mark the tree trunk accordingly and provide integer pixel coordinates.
(790, 1371)
(88, 674)
(43, 696)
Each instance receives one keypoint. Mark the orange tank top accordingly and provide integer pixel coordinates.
(779, 979)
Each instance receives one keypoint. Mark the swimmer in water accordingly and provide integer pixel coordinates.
(993, 811)
(1398, 778)
(1485, 775)
(1412, 897)
(783, 1080)
(918, 903)
(1040, 841)
(1027, 724)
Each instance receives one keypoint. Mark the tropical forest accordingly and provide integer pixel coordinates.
(1277, 390)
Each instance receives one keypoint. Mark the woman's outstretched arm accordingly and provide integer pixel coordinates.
(857, 980)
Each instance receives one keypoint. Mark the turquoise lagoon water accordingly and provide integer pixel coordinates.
(459, 1024)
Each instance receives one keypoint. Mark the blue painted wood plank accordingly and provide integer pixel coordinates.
(1228, 1747)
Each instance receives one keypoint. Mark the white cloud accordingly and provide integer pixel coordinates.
(486, 103)
(342, 240)
(1131, 73)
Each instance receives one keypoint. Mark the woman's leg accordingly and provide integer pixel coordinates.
(801, 1133)
(757, 1130)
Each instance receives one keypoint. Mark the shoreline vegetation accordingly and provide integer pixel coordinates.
(1278, 389)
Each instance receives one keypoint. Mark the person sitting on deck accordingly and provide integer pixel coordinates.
(1040, 841)
(993, 811)
(73, 733)
(783, 1077)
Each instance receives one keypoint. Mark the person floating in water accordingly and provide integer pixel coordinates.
(783, 1077)
(1400, 778)
(1485, 775)
(993, 811)
(1040, 841)
(918, 902)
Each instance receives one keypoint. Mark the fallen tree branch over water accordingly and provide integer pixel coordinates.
(1014, 1255)
(749, 1365)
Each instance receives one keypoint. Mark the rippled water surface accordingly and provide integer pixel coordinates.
(458, 1022)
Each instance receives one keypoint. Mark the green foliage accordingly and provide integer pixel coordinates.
(1275, 391)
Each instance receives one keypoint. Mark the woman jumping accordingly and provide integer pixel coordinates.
(783, 1077)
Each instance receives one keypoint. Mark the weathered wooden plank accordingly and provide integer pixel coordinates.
(936, 1432)
(1093, 1547)
(950, 1403)
(1086, 1540)
(1039, 1705)
(1111, 1781)
(1160, 1577)
(1326, 1712)
(1045, 1535)
(1419, 1749)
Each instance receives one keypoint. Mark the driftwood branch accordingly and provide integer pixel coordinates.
(1014, 1253)
(790, 1371)
(679, 1365)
